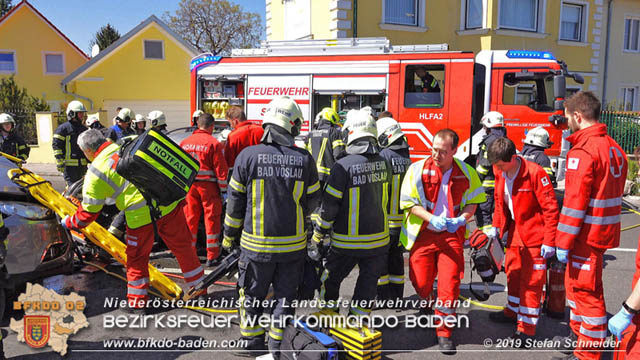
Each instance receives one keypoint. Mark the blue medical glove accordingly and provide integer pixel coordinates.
(620, 322)
(453, 224)
(438, 222)
(547, 251)
(65, 222)
(562, 255)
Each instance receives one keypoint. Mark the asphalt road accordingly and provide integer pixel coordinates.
(398, 343)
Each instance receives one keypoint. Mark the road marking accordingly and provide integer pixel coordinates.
(623, 250)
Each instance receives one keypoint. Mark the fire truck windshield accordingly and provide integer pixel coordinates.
(536, 93)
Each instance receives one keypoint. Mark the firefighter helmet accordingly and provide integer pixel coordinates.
(196, 114)
(284, 112)
(362, 125)
(92, 119)
(328, 114)
(351, 116)
(388, 131)
(6, 118)
(125, 115)
(538, 136)
(369, 110)
(492, 119)
(157, 118)
(73, 108)
(139, 118)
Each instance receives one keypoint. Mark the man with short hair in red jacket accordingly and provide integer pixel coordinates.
(244, 134)
(590, 219)
(211, 182)
(526, 209)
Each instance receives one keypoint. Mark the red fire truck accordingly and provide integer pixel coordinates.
(527, 87)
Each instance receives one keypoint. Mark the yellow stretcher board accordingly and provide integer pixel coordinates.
(42, 191)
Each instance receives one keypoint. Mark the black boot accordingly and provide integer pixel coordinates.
(254, 346)
(565, 343)
(501, 318)
(446, 345)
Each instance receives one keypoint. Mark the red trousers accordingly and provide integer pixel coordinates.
(205, 195)
(173, 230)
(526, 274)
(583, 280)
(438, 254)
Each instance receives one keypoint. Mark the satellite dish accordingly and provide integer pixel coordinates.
(95, 50)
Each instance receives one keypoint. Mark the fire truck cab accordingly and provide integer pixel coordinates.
(425, 87)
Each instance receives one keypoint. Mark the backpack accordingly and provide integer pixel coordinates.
(299, 342)
(158, 167)
(486, 257)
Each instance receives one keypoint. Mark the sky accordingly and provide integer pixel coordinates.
(79, 20)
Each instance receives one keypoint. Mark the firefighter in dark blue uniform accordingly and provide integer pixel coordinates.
(70, 160)
(536, 141)
(325, 142)
(354, 213)
(12, 143)
(493, 123)
(122, 128)
(395, 150)
(273, 188)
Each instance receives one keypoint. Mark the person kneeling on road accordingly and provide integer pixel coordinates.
(442, 192)
(102, 182)
(526, 208)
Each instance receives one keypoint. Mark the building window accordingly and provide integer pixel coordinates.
(7, 62)
(519, 14)
(631, 34)
(401, 12)
(54, 64)
(629, 97)
(424, 86)
(153, 49)
(572, 24)
(473, 14)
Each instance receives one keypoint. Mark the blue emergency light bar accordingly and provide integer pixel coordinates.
(199, 61)
(529, 54)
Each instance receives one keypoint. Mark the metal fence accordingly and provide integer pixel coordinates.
(25, 124)
(624, 128)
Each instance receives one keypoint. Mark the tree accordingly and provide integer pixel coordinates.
(215, 26)
(22, 106)
(5, 7)
(106, 36)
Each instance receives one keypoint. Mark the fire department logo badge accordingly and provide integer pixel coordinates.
(545, 181)
(572, 163)
(36, 330)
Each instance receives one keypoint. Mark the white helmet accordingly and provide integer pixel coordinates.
(73, 108)
(369, 110)
(92, 119)
(492, 119)
(6, 118)
(538, 136)
(350, 117)
(388, 131)
(125, 115)
(284, 112)
(362, 125)
(139, 118)
(157, 118)
(196, 114)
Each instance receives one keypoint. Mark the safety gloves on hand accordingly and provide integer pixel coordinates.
(228, 244)
(315, 248)
(620, 322)
(453, 224)
(562, 255)
(547, 251)
(438, 222)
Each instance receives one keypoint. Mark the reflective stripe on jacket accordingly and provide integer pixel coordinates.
(465, 189)
(65, 144)
(595, 177)
(208, 151)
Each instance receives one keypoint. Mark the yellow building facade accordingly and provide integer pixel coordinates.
(573, 30)
(37, 54)
(146, 69)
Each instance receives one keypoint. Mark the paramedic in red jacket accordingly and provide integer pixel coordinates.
(590, 218)
(211, 182)
(526, 207)
(244, 134)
